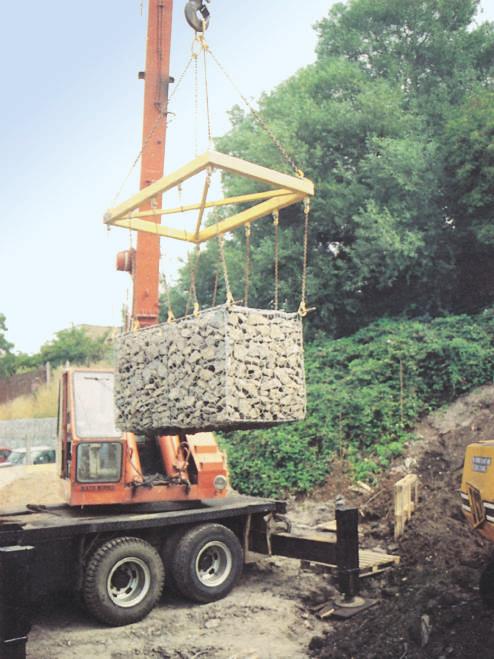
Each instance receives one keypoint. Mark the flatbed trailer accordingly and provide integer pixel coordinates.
(48, 549)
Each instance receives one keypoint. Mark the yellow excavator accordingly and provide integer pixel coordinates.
(477, 500)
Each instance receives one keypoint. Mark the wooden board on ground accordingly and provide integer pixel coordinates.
(328, 527)
(406, 495)
(371, 562)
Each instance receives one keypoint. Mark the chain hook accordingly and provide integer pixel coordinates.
(192, 9)
(303, 310)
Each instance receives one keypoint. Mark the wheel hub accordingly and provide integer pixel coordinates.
(129, 582)
(214, 564)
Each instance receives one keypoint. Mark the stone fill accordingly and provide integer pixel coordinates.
(230, 368)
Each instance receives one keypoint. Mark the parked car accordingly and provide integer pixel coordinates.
(39, 455)
(4, 454)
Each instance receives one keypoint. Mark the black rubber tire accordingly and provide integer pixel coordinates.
(135, 556)
(198, 546)
(486, 586)
(168, 551)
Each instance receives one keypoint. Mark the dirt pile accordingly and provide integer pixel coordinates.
(430, 606)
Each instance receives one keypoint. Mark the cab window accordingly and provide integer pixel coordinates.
(99, 462)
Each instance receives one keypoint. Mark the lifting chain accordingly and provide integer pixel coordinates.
(200, 45)
(247, 267)
(258, 117)
(162, 116)
(206, 92)
(195, 57)
(171, 315)
(229, 297)
(303, 310)
(193, 287)
(215, 288)
(276, 222)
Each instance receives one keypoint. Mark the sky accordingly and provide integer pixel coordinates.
(71, 128)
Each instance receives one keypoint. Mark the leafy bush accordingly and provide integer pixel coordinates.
(365, 393)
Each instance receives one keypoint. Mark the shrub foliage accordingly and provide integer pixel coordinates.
(365, 393)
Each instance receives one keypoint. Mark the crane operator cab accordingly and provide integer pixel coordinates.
(101, 465)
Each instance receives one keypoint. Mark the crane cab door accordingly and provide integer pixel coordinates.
(64, 428)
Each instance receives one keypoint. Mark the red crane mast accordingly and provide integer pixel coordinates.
(143, 263)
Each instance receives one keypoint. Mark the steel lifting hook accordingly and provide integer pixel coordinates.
(192, 9)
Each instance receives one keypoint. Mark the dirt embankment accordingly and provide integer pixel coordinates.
(430, 606)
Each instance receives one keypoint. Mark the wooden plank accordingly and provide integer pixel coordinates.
(202, 206)
(162, 185)
(240, 199)
(370, 562)
(328, 526)
(249, 215)
(374, 559)
(156, 229)
(220, 160)
(237, 166)
(405, 502)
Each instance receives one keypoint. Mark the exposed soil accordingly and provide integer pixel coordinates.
(428, 607)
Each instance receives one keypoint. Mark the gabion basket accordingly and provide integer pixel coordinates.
(230, 368)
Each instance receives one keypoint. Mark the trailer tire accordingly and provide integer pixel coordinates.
(207, 562)
(168, 551)
(123, 580)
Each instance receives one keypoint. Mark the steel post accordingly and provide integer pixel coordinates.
(347, 551)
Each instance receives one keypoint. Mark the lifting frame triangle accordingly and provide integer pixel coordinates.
(289, 190)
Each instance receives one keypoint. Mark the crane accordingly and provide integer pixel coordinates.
(99, 464)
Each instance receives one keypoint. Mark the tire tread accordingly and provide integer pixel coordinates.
(92, 600)
(184, 552)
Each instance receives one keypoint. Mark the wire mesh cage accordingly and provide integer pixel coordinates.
(228, 368)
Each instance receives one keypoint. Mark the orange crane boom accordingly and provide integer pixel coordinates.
(143, 263)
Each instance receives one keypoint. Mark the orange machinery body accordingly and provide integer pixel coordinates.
(477, 487)
(101, 466)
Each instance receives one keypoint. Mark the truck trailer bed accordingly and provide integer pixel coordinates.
(33, 524)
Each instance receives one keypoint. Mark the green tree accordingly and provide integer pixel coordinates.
(430, 48)
(75, 346)
(469, 176)
(376, 216)
(7, 357)
(376, 122)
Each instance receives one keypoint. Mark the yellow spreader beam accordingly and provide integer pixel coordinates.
(288, 190)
